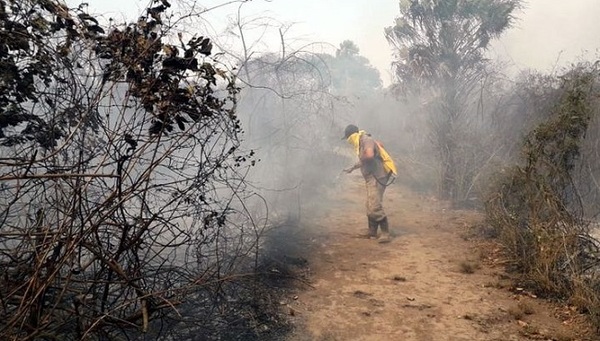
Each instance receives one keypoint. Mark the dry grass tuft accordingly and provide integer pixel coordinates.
(526, 308)
(469, 267)
(515, 312)
(520, 310)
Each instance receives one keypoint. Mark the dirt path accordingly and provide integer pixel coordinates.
(418, 287)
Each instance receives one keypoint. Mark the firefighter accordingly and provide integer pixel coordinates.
(378, 169)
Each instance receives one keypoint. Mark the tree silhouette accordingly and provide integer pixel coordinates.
(351, 74)
(439, 52)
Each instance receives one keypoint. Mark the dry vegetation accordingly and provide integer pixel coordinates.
(539, 207)
(123, 202)
(125, 198)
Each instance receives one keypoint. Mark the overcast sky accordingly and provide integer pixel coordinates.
(549, 33)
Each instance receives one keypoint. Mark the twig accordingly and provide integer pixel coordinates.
(56, 176)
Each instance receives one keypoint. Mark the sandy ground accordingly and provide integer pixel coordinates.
(434, 281)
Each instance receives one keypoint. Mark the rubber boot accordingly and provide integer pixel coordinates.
(371, 232)
(372, 229)
(385, 231)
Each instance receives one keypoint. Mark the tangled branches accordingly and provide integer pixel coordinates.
(121, 184)
(537, 207)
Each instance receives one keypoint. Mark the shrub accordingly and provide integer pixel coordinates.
(536, 207)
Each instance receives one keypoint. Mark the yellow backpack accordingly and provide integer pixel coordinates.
(388, 163)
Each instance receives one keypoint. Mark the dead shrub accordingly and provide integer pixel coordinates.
(586, 296)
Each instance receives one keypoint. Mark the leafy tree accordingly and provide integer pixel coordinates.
(347, 48)
(439, 52)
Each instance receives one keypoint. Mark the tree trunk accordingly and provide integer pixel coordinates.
(447, 185)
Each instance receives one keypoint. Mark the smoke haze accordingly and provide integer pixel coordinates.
(304, 71)
(547, 31)
(550, 33)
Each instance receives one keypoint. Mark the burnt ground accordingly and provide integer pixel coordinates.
(436, 280)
